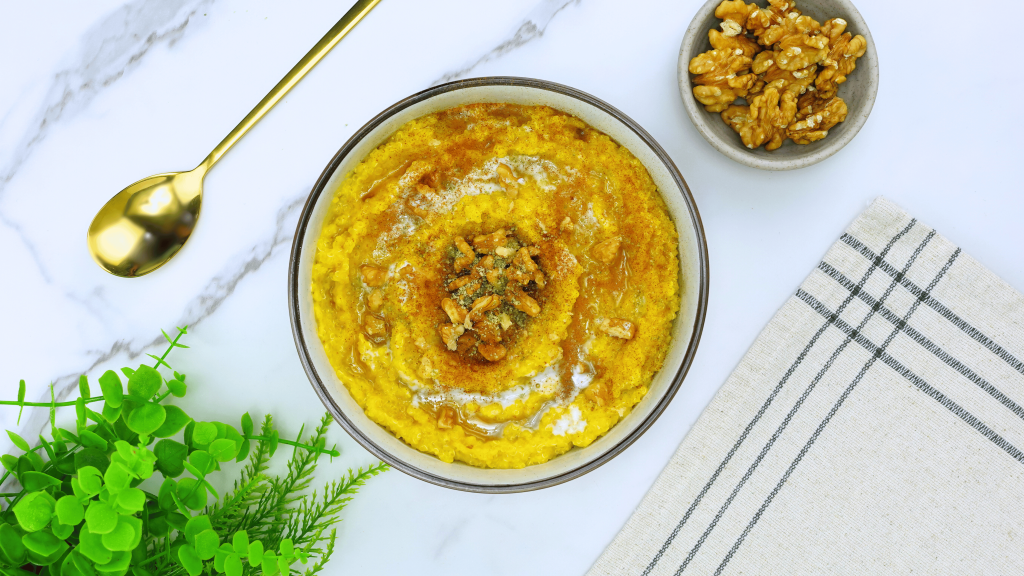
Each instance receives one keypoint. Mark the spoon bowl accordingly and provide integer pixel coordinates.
(144, 225)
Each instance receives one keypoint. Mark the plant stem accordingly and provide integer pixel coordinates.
(309, 447)
(48, 404)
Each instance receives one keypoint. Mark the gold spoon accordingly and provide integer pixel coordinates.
(145, 225)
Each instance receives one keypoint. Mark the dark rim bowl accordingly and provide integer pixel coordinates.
(686, 329)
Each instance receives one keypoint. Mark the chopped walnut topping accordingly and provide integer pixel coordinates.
(468, 256)
(488, 243)
(607, 250)
(373, 276)
(456, 313)
(481, 305)
(374, 327)
(567, 225)
(426, 369)
(375, 300)
(450, 335)
(446, 417)
(617, 327)
(507, 179)
(492, 352)
(538, 277)
(524, 303)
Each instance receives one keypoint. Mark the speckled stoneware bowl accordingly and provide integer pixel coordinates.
(693, 256)
(858, 91)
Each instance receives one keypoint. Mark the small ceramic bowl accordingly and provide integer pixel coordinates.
(858, 91)
(693, 256)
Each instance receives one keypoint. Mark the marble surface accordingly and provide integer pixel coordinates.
(87, 84)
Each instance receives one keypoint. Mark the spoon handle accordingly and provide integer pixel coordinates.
(333, 36)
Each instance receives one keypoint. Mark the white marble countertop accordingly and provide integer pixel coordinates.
(86, 83)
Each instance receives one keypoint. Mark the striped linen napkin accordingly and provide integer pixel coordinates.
(874, 427)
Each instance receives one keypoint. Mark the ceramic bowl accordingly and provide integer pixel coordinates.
(686, 329)
(858, 91)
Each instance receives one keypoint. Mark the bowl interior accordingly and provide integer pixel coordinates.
(693, 257)
(858, 91)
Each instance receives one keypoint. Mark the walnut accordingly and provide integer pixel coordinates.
(779, 21)
(492, 352)
(721, 78)
(446, 417)
(721, 41)
(539, 279)
(468, 256)
(817, 119)
(375, 328)
(373, 276)
(507, 179)
(524, 303)
(488, 243)
(450, 335)
(456, 313)
(841, 60)
(567, 225)
(617, 327)
(771, 76)
(607, 250)
(800, 51)
(480, 306)
(426, 369)
(764, 121)
(734, 14)
(375, 300)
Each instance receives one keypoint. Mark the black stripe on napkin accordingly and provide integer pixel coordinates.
(877, 352)
(936, 305)
(830, 320)
(925, 343)
(771, 397)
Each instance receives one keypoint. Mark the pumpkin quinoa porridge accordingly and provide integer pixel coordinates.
(496, 284)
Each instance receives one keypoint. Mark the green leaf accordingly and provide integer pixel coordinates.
(40, 560)
(243, 450)
(116, 478)
(190, 560)
(21, 399)
(111, 413)
(127, 371)
(206, 543)
(287, 547)
(90, 479)
(204, 433)
(256, 553)
(131, 500)
(10, 463)
(91, 546)
(121, 429)
(34, 481)
(196, 525)
(192, 493)
(176, 520)
(222, 553)
(272, 443)
(42, 543)
(240, 542)
(169, 457)
(145, 382)
(120, 539)
(233, 565)
(80, 562)
(176, 420)
(284, 564)
(224, 449)
(113, 392)
(34, 511)
(269, 563)
(62, 531)
(19, 441)
(65, 464)
(100, 517)
(48, 448)
(203, 461)
(80, 411)
(83, 386)
(177, 388)
(91, 439)
(146, 418)
(118, 563)
(70, 510)
(164, 499)
(10, 544)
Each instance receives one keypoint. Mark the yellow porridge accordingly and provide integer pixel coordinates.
(496, 284)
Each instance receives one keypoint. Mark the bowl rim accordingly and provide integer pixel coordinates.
(696, 31)
(319, 188)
